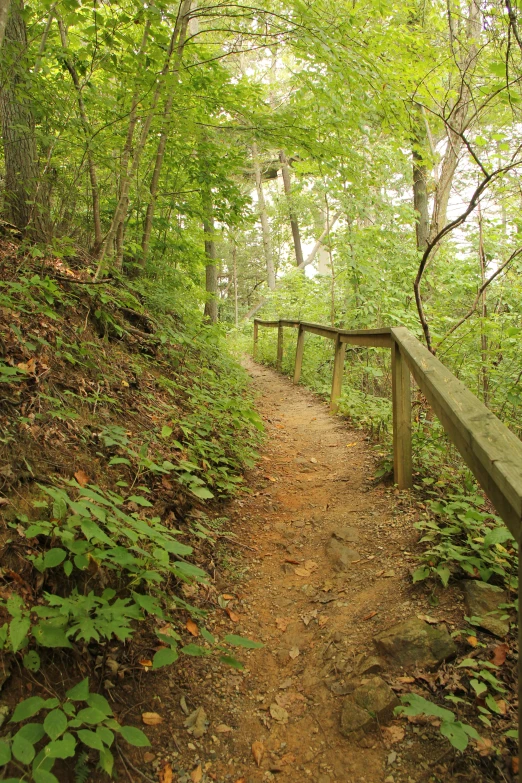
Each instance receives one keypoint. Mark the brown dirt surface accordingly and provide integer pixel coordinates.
(279, 719)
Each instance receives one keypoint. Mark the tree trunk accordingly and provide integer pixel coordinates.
(420, 177)
(265, 228)
(4, 16)
(211, 275)
(26, 199)
(296, 235)
(162, 143)
(95, 192)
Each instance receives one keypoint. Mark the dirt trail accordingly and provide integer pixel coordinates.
(313, 480)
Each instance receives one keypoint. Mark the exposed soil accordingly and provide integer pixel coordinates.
(314, 479)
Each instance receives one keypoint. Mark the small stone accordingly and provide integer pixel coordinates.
(340, 556)
(148, 757)
(482, 602)
(278, 713)
(371, 664)
(372, 702)
(392, 758)
(416, 643)
(347, 534)
(324, 779)
(191, 746)
(389, 779)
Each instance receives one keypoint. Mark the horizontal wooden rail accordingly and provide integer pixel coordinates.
(490, 449)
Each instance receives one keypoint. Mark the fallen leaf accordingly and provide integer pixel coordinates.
(500, 654)
(196, 723)
(227, 597)
(393, 733)
(369, 616)
(258, 751)
(310, 565)
(192, 628)
(145, 662)
(166, 483)
(286, 684)
(241, 780)
(406, 680)
(349, 445)
(502, 706)
(291, 560)
(82, 478)
(323, 619)
(223, 728)
(148, 757)
(428, 619)
(165, 775)
(288, 758)
(294, 653)
(514, 764)
(302, 572)
(196, 774)
(233, 616)
(278, 713)
(4, 502)
(151, 718)
(484, 746)
(282, 623)
(472, 641)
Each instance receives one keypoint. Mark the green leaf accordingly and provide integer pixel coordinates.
(27, 708)
(90, 739)
(499, 535)
(444, 574)
(91, 715)
(22, 749)
(106, 761)
(166, 431)
(207, 636)
(195, 650)
(32, 732)
(100, 703)
(164, 657)
(240, 641)
(201, 492)
(68, 568)
(420, 574)
(134, 737)
(18, 628)
(53, 557)
(492, 704)
(231, 661)
(80, 691)
(63, 748)
(105, 734)
(48, 635)
(139, 500)
(44, 776)
(5, 753)
(454, 731)
(31, 661)
(55, 724)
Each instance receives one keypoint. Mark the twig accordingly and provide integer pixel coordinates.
(126, 761)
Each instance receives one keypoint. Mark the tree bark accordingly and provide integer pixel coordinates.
(211, 275)
(162, 143)
(265, 228)
(296, 235)
(420, 184)
(4, 16)
(26, 199)
(95, 191)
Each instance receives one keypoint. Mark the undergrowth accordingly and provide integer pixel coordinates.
(120, 421)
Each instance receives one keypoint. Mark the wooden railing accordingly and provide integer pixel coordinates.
(490, 449)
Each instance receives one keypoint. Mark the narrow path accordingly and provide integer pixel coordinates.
(311, 501)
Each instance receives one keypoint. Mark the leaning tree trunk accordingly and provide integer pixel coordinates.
(420, 182)
(26, 201)
(265, 228)
(4, 16)
(296, 234)
(211, 272)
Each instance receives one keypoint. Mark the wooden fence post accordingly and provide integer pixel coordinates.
(279, 364)
(299, 351)
(401, 395)
(338, 370)
(256, 335)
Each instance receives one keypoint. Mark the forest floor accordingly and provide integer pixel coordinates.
(281, 717)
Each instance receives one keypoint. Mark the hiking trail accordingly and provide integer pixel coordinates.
(312, 501)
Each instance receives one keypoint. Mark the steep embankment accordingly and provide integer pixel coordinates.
(119, 425)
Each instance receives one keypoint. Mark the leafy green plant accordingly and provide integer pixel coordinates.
(66, 730)
(455, 731)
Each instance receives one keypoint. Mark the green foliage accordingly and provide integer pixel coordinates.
(455, 731)
(63, 730)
